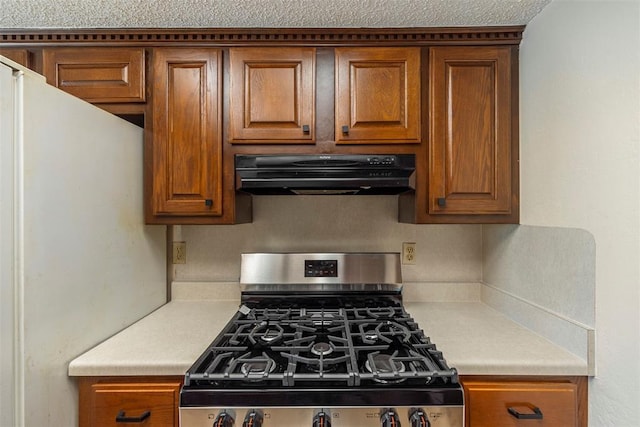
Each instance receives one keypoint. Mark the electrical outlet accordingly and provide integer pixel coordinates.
(179, 252)
(409, 253)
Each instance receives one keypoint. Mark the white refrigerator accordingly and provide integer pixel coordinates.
(77, 263)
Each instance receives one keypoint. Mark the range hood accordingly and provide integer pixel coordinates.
(325, 173)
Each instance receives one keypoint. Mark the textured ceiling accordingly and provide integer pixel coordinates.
(265, 13)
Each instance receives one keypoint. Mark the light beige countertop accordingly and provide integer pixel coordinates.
(474, 338)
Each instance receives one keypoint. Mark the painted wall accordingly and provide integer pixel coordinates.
(580, 118)
(444, 253)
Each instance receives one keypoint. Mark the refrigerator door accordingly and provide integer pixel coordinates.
(7, 260)
(85, 264)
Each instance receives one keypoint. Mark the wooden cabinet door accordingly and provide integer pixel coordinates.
(21, 56)
(185, 144)
(122, 403)
(527, 404)
(97, 75)
(470, 121)
(272, 95)
(377, 95)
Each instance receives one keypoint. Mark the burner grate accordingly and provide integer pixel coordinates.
(311, 345)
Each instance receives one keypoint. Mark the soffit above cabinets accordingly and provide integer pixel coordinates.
(272, 13)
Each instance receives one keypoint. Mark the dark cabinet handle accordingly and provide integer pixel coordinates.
(122, 418)
(345, 129)
(208, 202)
(306, 129)
(442, 202)
(535, 415)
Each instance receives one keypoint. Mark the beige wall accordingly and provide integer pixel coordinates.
(580, 115)
(445, 253)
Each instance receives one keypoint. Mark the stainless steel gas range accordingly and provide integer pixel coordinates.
(321, 340)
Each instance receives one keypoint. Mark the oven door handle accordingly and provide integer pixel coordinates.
(122, 418)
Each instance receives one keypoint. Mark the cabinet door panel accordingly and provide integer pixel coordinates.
(21, 56)
(154, 404)
(272, 95)
(470, 122)
(377, 95)
(98, 75)
(187, 149)
(488, 404)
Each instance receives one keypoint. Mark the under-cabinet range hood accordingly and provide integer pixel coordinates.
(325, 173)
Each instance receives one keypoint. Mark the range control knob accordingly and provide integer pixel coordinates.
(390, 418)
(322, 419)
(419, 419)
(223, 420)
(252, 419)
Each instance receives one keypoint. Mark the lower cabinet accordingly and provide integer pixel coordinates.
(126, 401)
(527, 401)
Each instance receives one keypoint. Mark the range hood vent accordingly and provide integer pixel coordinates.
(325, 174)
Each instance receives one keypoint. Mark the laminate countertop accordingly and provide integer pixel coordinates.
(473, 337)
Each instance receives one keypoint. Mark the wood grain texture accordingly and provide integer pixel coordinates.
(377, 95)
(97, 75)
(272, 95)
(187, 140)
(21, 56)
(470, 123)
(101, 399)
(562, 400)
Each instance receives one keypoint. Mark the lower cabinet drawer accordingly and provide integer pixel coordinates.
(515, 404)
(124, 404)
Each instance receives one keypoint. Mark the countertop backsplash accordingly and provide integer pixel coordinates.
(444, 253)
(544, 279)
(540, 277)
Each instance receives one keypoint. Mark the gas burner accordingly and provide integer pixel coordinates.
(368, 336)
(381, 312)
(266, 333)
(384, 367)
(322, 349)
(394, 329)
(321, 317)
(255, 368)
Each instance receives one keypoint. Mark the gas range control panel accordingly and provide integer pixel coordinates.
(428, 416)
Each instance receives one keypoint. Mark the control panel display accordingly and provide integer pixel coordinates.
(321, 268)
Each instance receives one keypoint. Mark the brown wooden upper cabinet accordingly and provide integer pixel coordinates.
(472, 147)
(377, 95)
(97, 75)
(272, 95)
(21, 56)
(185, 142)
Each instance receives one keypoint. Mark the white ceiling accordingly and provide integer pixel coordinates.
(265, 13)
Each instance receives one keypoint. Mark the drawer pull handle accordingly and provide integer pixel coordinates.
(535, 415)
(122, 418)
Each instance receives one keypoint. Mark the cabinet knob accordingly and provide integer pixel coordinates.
(442, 202)
(345, 129)
(208, 202)
(306, 129)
